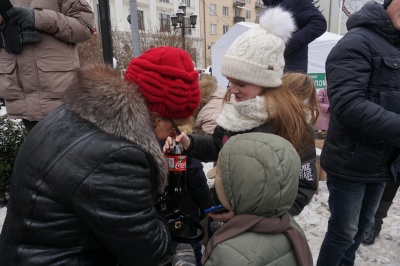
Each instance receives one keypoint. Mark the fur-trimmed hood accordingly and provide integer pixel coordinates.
(102, 97)
(208, 86)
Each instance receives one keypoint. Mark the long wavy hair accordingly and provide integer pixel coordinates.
(302, 86)
(289, 118)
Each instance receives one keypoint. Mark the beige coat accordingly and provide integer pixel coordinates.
(32, 82)
(210, 105)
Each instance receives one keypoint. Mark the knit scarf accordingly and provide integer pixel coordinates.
(246, 115)
(246, 222)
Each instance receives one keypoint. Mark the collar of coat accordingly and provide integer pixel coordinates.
(101, 96)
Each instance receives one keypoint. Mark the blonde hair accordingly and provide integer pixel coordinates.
(302, 86)
(289, 119)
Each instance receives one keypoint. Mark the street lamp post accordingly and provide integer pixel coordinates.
(178, 21)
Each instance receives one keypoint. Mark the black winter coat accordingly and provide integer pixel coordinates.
(82, 192)
(310, 25)
(363, 75)
(206, 148)
(198, 195)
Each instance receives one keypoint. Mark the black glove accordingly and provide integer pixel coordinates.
(24, 17)
(31, 36)
(12, 39)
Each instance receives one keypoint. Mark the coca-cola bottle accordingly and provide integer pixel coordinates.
(177, 172)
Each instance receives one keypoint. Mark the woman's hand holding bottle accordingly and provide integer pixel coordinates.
(182, 138)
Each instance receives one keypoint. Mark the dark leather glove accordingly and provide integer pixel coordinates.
(31, 36)
(24, 17)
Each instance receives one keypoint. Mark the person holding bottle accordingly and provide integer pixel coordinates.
(86, 177)
(258, 101)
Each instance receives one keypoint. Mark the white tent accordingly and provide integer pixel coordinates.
(318, 50)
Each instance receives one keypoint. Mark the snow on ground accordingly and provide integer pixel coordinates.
(2, 111)
(385, 251)
(3, 212)
(314, 220)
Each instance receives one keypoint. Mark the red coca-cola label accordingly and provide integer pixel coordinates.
(176, 163)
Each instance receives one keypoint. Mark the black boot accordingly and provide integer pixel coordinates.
(373, 232)
(370, 234)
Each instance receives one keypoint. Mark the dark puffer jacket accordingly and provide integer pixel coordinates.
(363, 74)
(310, 25)
(84, 179)
(206, 149)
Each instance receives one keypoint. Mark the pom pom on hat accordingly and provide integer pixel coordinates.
(386, 3)
(256, 56)
(168, 81)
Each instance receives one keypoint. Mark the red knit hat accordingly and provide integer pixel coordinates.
(167, 79)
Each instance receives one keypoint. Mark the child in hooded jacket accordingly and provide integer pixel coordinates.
(257, 195)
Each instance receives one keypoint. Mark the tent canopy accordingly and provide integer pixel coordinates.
(318, 51)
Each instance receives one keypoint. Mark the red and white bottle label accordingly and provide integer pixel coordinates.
(176, 163)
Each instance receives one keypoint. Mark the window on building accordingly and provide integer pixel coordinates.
(248, 15)
(237, 12)
(164, 1)
(225, 11)
(186, 2)
(140, 19)
(213, 9)
(225, 28)
(248, 1)
(213, 28)
(165, 23)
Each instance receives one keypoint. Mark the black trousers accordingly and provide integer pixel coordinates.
(29, 124)
(390, 190)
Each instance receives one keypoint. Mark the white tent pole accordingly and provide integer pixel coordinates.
(340, 15)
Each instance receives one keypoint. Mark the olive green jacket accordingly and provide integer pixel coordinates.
(258, 175)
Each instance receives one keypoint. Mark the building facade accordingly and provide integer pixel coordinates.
(215, 18)
(218, 16)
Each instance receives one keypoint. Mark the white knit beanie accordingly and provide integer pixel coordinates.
(256, 56)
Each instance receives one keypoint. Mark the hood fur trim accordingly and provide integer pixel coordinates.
(208, 86)
(117, 107)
